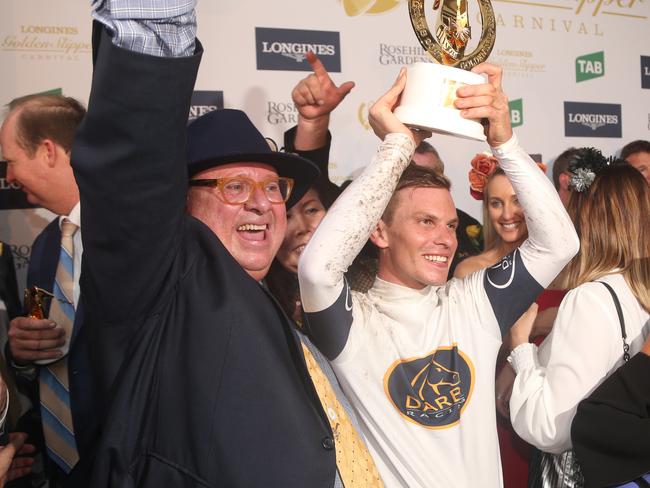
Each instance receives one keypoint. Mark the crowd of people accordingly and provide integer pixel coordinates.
(232, 318)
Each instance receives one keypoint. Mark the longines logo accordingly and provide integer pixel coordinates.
(645, 71)
(47, 42)
(592, 120)
(204, 102)
(432, 390)
(49, 29)
(286, 49)
(281, 113)
(403, 55)
(519, 63)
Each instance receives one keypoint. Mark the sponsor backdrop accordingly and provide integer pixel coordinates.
(577, 73)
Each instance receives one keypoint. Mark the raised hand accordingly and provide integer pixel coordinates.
(487, 102)
(316, 95)
(382, 119)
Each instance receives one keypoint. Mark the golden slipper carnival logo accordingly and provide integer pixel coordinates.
(579, 17)
(359, 7)
(46, 42)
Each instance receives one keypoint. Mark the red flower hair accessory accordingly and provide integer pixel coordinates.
(483, 165)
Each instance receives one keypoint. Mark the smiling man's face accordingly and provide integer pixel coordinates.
(418, 242)
(253, 231)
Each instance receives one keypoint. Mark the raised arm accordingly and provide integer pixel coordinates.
(164, 28)
(514, 283)
(350, 221)
(315, 97)
(129, 158)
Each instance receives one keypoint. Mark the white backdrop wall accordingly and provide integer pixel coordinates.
(45, 45)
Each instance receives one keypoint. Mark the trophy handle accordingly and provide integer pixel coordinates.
(429, 42)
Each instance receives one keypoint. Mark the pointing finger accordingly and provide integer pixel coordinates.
(318, 68)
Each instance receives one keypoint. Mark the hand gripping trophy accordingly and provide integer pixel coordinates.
(427, 101)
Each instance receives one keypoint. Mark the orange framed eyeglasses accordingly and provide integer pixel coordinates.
(238, 189)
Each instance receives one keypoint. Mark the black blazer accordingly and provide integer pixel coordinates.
(8, 283)
(44, 260)
(202, 377)
(611, 429)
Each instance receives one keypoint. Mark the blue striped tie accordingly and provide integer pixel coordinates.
(54, 388)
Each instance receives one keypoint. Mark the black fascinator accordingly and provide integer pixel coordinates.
(585, 165)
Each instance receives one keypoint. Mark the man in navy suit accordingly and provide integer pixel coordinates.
(36, 139)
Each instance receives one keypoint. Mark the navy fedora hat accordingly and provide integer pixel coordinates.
(228, 136)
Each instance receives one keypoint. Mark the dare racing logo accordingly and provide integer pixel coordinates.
(433, 390)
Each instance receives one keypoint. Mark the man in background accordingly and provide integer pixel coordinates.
(637, 153)
(48, 355)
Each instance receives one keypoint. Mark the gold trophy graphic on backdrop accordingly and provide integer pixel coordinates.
(427, 101)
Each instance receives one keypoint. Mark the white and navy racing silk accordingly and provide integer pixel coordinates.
(418, 365)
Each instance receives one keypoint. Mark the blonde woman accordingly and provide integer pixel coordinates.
(610, 205)
(504, 222)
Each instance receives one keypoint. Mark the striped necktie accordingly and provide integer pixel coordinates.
(353, 461)
(53, 380)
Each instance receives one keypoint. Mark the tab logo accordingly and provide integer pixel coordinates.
(592, 119)
(590, 66)
(204, 102)
(516, 112)
(645, 71)
(286, 49)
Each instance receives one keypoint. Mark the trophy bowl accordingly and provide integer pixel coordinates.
(428, 100)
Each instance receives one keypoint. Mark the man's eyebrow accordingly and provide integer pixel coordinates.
(426, 215)
(435, 218)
